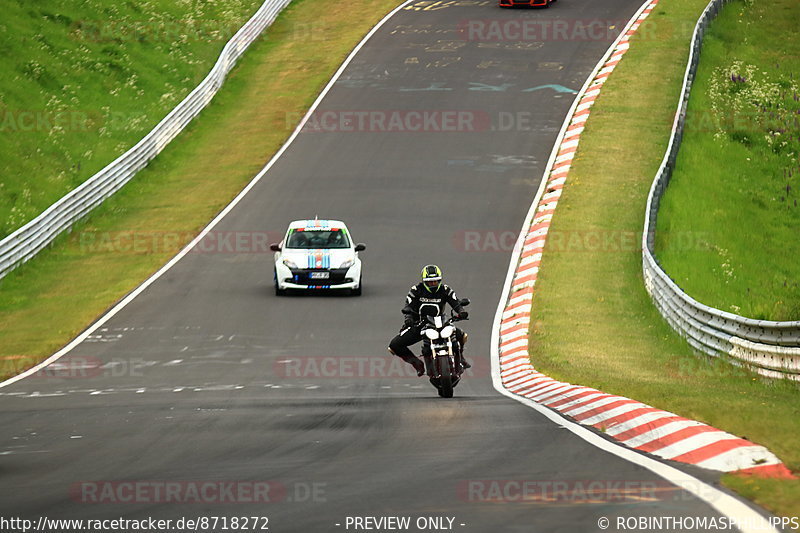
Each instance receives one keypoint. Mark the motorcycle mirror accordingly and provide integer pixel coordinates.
(275, 247)
(464, 301)
(360, 247)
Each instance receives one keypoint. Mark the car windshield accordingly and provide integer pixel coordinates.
(333, 238)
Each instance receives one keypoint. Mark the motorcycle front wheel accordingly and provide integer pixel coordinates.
(446, 381)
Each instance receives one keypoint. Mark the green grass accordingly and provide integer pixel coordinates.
(593, 322)
(83, 81)
(49, 300)
(734, 194)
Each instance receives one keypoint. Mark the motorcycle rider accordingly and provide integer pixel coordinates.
(430, 290)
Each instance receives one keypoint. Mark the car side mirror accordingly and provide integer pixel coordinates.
(275, 247)
(463, 302)
(360, 247)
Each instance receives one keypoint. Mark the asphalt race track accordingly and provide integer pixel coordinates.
(208, 378)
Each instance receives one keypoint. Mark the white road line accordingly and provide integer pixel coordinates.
(149, 281)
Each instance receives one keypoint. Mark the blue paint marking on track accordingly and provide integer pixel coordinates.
(555, 87)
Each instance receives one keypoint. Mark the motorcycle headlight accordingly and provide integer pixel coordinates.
(432, 334)
(289, 263)
(348, 263)
(447, 331)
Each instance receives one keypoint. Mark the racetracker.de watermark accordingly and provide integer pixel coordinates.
(558, 29)
(364, 366)
(63, 121)
(178, 31)
(414, 121)
(393, 121)
(209, 492)
(587, 491)
(574, 241)
(742, 120)
(152, 31)
(87, 367)
(136, 242)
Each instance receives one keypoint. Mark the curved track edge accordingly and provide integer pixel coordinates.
(634, 427)
(222, 214)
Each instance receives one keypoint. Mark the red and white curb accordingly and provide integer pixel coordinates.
(631, 423)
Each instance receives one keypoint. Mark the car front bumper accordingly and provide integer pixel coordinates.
(302, 279)
(350, 285)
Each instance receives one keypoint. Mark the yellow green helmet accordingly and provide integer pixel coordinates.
(432, 277)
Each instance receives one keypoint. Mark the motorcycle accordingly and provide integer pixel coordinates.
(441, 349)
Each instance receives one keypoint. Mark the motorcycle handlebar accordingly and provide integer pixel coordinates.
(453, 318)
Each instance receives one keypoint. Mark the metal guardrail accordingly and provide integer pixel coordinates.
(770, 348)
(28, 240)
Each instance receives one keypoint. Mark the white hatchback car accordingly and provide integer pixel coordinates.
(317, 254)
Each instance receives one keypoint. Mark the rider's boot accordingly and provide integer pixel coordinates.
(418, 365)
(414, 361)
(464, 361)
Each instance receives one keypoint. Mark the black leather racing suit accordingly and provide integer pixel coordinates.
(411, 334)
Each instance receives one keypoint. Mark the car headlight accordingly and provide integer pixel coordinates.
(432, 334)
(348, 263)
(289, 263)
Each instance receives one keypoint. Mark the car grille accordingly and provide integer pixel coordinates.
(302, 276)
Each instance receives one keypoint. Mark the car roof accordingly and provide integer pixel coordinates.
(316, 224)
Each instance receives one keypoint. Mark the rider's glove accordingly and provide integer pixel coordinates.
(463, 315)
(408, 321)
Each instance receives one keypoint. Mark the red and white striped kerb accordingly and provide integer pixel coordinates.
(632, 423)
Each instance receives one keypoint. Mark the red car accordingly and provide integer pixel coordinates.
(526, 3)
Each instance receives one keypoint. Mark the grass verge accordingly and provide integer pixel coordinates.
(739, 162)
(593, 322)
(84, 81)
(49, 300)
